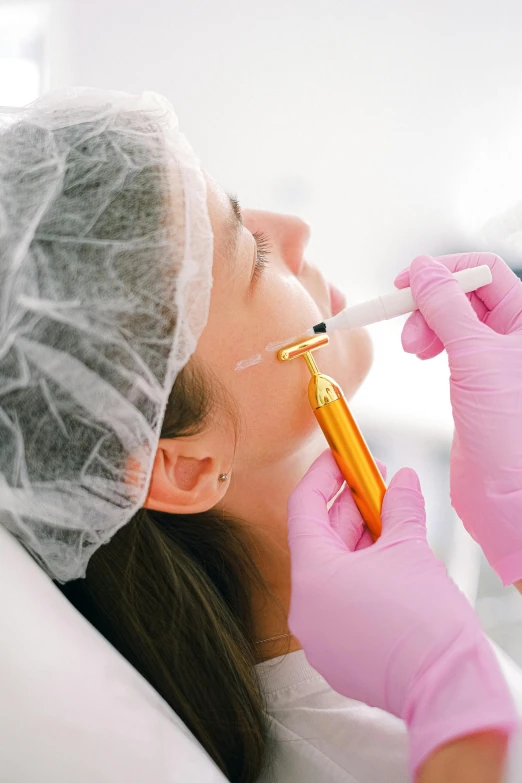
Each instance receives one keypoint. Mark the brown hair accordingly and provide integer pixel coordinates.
(171, 593)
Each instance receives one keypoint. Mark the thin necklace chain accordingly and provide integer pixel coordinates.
(273, 638)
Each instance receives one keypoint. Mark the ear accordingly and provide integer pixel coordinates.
(185, 476)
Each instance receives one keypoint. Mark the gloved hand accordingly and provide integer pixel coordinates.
(482, 335)
(383, 623)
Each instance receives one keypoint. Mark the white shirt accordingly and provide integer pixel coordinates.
(322, 737)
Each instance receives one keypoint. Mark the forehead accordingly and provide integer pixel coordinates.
(225, 218)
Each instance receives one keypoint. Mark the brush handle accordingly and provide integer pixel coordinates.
(400, 302)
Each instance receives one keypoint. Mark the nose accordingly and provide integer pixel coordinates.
(288, 234)
(295, 239)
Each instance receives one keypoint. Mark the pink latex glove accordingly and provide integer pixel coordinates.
(482, 335)
(383, 623)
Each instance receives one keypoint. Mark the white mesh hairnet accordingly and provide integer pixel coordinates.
(105, 276)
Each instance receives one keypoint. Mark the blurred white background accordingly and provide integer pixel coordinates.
(393, 128)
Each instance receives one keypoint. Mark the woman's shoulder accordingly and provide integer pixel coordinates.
(317, 734)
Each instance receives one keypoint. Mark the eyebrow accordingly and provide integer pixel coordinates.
(233, 227)
(236, 209)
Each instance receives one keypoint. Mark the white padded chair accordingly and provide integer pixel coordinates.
(71, 707)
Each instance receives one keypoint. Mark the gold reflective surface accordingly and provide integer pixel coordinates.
(342, 434)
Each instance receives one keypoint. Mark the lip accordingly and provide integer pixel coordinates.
(337, 299)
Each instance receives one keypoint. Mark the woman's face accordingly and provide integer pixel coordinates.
(255, 303)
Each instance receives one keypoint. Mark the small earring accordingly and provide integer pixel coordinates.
(223, 476)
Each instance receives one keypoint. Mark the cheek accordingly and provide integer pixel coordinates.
(239, 332)
(349, 359)
(287, 308)
(273, 396)
(280, 312)
(277, 416)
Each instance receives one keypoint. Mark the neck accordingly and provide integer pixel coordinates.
(262, 501)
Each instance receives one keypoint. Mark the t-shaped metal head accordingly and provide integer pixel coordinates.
(304, 348)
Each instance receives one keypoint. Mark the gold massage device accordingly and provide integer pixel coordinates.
(342, 433)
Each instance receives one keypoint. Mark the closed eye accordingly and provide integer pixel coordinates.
(262, 252)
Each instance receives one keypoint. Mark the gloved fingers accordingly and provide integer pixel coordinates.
(503, 277)
(403, 509)
(346, 519)
(318, 486)
(344, 502)
(440, 299)
(418, 338)
(503, 293)
(308, 518)
(365, 540)
(506, 317)
(432, 350)
(501, 299)
(478, 306)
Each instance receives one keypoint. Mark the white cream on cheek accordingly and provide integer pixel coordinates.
(280, 344)
(250, 362)
(257, 357)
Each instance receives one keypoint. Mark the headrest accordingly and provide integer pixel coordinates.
(71, 707)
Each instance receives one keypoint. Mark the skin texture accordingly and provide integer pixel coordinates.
(278, 437)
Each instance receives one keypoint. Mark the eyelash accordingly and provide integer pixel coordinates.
(263, 249)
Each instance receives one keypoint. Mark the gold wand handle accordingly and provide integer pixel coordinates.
(342, 433)
(355, 461)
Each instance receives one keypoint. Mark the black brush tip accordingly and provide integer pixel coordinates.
(320, 328)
